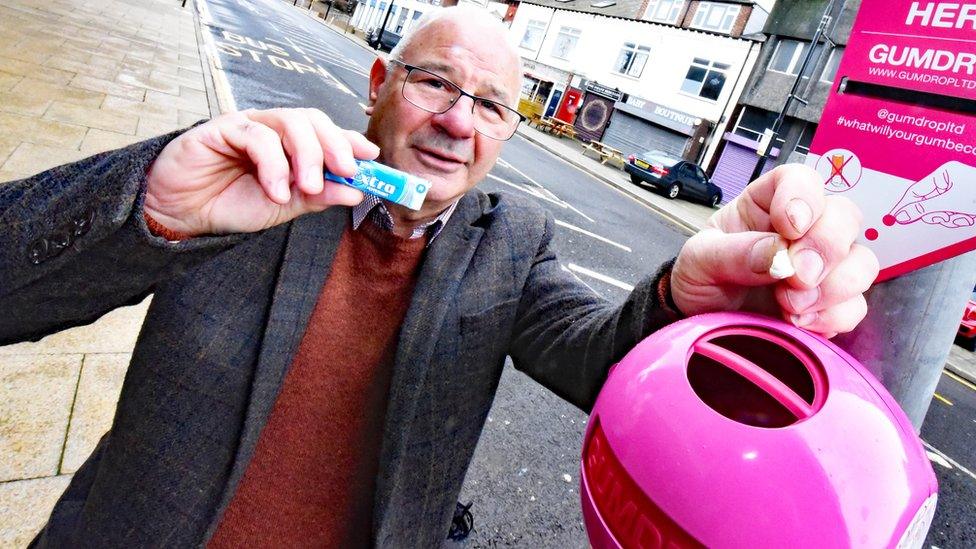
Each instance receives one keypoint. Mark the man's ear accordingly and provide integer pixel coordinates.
(377, 77)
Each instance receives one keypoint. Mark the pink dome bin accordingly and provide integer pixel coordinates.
(737, 430)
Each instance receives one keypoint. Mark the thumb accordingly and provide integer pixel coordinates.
(713, 257)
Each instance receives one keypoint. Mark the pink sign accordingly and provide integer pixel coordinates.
(898, 133)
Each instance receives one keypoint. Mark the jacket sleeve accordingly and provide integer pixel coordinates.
(567, 338)
(74, 244)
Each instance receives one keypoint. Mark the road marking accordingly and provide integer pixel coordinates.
(942, 398)
(942, 455)
(362, 106)
(600, 277)
(936, 458)
(581, 281)
(537, 194)
(552, 196)
(225, 98)
(596, 236)
(960, 380)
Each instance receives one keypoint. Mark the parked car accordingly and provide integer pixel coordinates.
(673, 176)
(966, 335)
(384, 43)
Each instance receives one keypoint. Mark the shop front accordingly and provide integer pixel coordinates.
(542, 89)
(639, 125)
(595, 111)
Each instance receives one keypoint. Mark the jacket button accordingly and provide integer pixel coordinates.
(38, 251)
(83, 223)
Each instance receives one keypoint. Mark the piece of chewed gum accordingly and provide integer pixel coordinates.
(782, 267)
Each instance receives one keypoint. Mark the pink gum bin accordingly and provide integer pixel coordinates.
(738, 430)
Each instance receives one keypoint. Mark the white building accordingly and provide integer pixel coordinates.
(666, 79)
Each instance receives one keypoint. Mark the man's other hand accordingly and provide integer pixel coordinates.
(250, 170)
(726, 266)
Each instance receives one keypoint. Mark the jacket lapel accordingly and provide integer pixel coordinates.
(310, 249)
(440, 277)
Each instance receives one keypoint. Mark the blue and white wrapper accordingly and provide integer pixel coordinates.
(387, 183)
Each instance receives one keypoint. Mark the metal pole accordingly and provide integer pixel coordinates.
(907, 334)
(328, 9)
(761, 162)
(379, 37)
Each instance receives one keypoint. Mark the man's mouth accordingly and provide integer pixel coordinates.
(439, 160)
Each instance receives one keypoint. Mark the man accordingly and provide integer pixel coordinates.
(322, 379)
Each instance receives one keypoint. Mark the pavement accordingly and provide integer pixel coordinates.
(80, 78)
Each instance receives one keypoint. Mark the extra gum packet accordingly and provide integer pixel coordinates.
(387, 183)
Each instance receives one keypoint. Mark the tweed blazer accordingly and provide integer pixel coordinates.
(225, 322)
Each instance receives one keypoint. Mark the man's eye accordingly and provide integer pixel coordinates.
(491, 107)
(435, 83)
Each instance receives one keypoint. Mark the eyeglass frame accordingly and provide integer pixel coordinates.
(461, 93)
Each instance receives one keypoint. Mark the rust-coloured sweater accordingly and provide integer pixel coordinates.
(312, 478)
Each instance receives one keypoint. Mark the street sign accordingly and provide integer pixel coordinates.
(898, 133)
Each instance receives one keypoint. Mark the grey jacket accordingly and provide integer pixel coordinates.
(227, 316)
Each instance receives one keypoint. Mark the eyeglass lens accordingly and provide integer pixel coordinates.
(437, 94)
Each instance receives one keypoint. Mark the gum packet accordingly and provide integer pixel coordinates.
(387, 183)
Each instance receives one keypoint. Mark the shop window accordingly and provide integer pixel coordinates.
(789, 56)
(833, 63)
(535, 31)
(632, 59)
(715, 17)
(565, 42)
(705, 79)
(754, 122)
(664, 11)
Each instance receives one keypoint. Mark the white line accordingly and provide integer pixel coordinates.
(918, 36)
(576, 276)
(596, 236)
(527, 190)
(600, 277)
(225, 98)
(361, 106)
(949, 459)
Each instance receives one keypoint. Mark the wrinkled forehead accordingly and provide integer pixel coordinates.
(475, 56)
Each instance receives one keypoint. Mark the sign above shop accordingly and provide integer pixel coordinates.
(660, 115)
(600, 89)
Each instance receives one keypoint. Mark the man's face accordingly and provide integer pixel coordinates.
(443, 148)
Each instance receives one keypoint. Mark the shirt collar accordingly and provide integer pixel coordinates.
(374, 208)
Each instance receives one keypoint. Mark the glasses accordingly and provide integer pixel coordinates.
(437, 94)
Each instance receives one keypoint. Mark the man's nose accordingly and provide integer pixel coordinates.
(458, 121)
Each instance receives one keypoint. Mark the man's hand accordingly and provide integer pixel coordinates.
(250, 170)
(725, 267)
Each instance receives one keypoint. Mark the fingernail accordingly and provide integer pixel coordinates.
(314, 177)
(761, 255)
(803, 320)
(809, 265)
(802, 300)
(799, 214)
(903, 217)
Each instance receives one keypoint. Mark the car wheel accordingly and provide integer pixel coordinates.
(673, 191)
(635, 180)
(716, 200)
(969, 344)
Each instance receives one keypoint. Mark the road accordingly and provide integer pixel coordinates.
(525, 475)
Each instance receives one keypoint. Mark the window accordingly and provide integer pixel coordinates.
(632, 59)
(833, 63)
(401, 22)
(413, 19)
(705, 79)
(534, 33)
(715, 17)
(789, 56)
(664, 11)
(565, 42)
(754, 122)
(806, 138)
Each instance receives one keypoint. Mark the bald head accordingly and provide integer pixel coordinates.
(468, 21)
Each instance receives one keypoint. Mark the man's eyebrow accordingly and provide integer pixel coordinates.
(448, 71)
